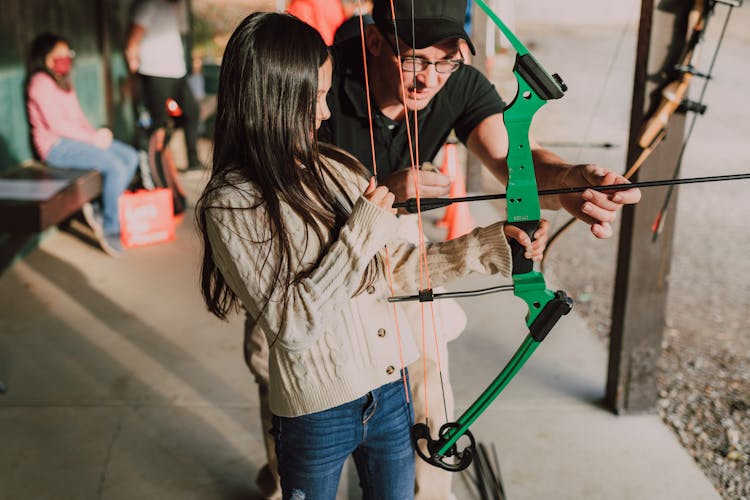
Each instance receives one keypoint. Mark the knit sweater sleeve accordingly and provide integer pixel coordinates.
(248, 260)
(485, 250)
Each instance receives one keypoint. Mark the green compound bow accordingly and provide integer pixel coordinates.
(546, 307)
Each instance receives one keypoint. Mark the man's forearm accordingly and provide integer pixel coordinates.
(550, 170)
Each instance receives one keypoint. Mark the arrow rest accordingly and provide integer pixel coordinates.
(461, 459)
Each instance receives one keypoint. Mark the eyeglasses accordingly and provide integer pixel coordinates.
(418, 64)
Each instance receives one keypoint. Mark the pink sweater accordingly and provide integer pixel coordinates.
(55, 113)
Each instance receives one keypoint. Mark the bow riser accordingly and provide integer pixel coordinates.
(523, 201)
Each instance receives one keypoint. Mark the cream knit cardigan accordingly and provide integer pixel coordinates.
(334, 347)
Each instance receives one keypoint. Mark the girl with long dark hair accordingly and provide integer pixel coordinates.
(294, 232)
(64, 137)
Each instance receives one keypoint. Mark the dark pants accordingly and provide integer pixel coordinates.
(156, 90)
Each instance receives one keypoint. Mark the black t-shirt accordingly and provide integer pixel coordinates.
(466, 99)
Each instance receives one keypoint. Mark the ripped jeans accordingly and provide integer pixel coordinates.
(375, 429)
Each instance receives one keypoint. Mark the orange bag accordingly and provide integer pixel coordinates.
(146, 217)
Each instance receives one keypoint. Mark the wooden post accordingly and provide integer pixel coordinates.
(641, 284)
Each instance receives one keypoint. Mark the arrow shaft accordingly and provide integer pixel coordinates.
(432, 203)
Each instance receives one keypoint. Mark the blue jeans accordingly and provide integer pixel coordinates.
(117, 165)
(375, 429)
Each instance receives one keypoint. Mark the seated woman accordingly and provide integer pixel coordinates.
(63, 136)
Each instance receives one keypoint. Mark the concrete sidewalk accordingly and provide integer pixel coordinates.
(121, 386)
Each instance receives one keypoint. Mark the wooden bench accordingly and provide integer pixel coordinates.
(36, 197)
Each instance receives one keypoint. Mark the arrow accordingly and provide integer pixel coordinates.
(432, 203)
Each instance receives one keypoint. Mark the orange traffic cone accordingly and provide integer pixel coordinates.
(461, 221)
(457, 216)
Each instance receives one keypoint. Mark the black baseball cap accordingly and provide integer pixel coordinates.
(433, 20)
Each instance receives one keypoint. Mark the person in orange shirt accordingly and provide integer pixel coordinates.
(323, 15)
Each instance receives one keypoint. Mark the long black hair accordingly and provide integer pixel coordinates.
(264, 134)
(37, 58)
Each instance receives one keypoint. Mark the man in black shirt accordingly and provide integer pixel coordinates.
(448, 95)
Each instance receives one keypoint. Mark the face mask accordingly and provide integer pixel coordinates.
(62, 65)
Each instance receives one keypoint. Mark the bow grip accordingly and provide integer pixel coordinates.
(553, 309)
(521, 264)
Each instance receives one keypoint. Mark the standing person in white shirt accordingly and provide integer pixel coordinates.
(154, 50)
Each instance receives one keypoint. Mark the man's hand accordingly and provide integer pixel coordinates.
(431, 184)
(598, 209)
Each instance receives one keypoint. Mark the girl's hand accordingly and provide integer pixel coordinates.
(380, 196)
(535, 249)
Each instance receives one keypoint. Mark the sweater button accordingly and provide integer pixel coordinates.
(390, 370)
(370, 289)
(381, 332)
